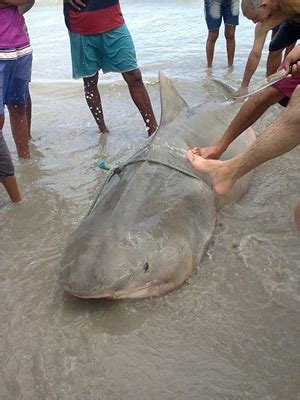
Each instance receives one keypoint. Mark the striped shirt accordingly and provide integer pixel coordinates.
(98, 16)
(14, 39)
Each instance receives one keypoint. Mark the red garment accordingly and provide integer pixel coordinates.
(98, 16)
(287, 86)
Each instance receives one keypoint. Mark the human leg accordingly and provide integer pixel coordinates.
(119, 56)
(19, 128)
(93, 99)
(230, 12)
(7, 177)
(213, 18)
(86, 62)
(279, 138)
(18, 75)
(273, 61)
(230, 43)
(249, 113)
(29, 113)
(210, 46)
(141, 98)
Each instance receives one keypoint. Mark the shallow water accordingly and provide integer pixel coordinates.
(232, 332)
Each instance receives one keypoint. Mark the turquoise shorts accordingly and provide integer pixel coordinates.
(112, 51)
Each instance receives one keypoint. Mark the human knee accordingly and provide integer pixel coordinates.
(16, 110)
(213, 35)
(90, 82)
(133, 77)
(229, 35)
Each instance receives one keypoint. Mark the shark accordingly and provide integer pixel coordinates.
(154, 217)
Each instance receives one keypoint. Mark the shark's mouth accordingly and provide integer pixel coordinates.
(149, 290)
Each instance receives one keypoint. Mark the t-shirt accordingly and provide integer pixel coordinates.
(13, 32)
(98, 16)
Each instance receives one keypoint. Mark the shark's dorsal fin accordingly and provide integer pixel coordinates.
(171, 101)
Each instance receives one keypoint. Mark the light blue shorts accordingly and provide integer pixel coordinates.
(111, 51)
(215, 10)
(15, 76)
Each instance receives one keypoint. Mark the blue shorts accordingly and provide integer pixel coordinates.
(15, 76)
(215, 10)
(285, 34)
(111, 51)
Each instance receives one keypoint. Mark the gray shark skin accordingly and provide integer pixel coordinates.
(155, 216)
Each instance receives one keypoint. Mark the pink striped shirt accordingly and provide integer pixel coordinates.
(13, 33)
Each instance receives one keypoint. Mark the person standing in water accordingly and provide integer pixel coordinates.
(215, 10)
(100, 40)
(15, 74)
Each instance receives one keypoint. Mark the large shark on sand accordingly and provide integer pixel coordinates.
(155, 215)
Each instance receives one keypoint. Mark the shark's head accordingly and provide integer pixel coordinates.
(116, 264)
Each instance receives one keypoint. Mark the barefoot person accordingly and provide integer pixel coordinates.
(15, 72)
(280, 137)
(100, 40)
(268, 14)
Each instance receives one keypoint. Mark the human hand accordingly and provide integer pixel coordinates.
(76, 4)
(242, 91)
(292, 62)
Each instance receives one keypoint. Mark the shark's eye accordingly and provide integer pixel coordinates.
(146, 267)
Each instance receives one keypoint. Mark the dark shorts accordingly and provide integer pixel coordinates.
(286, 34)
(215, 10)
(6, 165)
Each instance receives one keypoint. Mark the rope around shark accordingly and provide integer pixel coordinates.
(119, 168)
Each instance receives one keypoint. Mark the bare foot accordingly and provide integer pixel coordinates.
(219, 172)
(297, 216)
(213, 152)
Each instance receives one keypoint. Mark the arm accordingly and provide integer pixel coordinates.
(261, 31)
(26, 7)
(255, 54)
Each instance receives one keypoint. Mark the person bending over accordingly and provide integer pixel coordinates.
(267, 14)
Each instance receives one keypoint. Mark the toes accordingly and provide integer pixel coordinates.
(190, 155)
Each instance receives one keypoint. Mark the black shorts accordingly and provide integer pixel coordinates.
(6, 164)
(286, 34)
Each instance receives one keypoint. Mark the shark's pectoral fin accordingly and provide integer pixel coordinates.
(229, 91)
(171, 101)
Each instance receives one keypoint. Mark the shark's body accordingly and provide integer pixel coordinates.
(155, 216)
